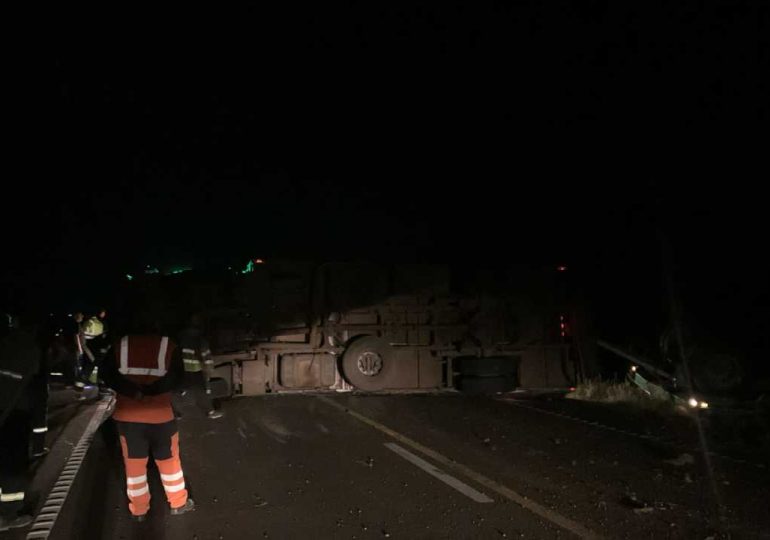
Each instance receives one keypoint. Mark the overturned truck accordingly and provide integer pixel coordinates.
(298, 327)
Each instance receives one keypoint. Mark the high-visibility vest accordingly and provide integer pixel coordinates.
(192, 363)
(93, 327)
(196, 356)
(144, 359)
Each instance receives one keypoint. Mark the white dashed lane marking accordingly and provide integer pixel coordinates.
(448, 479)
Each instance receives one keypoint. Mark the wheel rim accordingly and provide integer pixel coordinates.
(369, 363)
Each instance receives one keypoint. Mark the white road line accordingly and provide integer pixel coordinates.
(538, 509)
(449, 480)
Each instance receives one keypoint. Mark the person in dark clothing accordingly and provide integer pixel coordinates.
(199, 368)
(39, 412)
(84, 361)
(19, 364)
(99, 346)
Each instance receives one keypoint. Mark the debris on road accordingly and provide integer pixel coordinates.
(630, 501)
(644, 510)
(681, 460)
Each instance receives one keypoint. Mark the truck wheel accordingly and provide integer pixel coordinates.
(493, 366)
(486, 385)
(367, 362)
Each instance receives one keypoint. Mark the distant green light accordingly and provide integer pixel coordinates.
(249, 268)
(179, 270)
(129, 277)
(152, 270)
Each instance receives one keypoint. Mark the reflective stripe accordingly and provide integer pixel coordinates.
(209, 362)
(206, 352)
(40, 430)
(144, 371)
(136, 479)
(171, 477)
(192, 365)
(188, 351)
(137, 492)
(11, 374)
(162, 354)
(174, 489)
(12, 497)
(124, 355)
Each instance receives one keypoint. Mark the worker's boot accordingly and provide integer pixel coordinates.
(17, 522)
(140, 518)
(189, 506)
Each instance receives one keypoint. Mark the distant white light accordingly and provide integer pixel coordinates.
(634, 368)
(704, 405)
(693, 402)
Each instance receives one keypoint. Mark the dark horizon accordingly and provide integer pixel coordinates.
(424, 135)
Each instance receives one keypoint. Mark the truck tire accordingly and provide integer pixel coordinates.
(486, 385)
(367, 363)
(493, 366)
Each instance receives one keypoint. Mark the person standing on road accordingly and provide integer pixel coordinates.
(79, 337)
(199, 367)
(99, 344)
(39, 397)
(19, 365)
(91, 339)
(145, 369)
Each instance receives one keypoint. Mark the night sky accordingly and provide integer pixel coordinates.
(518, 131)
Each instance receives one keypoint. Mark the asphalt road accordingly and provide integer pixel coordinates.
(433, 466)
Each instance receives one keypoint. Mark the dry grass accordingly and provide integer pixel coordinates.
(620, 392)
